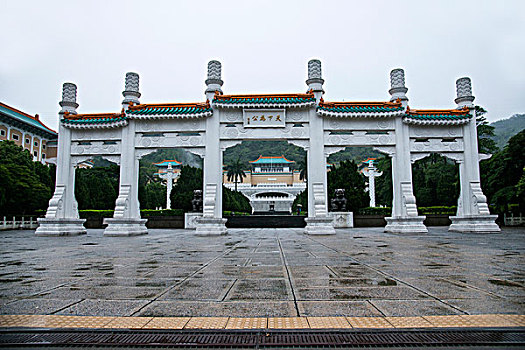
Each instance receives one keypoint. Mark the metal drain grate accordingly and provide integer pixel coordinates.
(264, 338)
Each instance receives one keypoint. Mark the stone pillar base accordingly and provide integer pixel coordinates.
(342, 219)
(407, 224)
(190, 220)
(210, 226)
(474, 224)
(60, 227)
(319, 226)
(125, 227)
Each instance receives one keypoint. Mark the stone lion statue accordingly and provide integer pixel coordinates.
(196, 202)
(338, 203)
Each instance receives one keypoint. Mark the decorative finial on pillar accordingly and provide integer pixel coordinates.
(69, 99)
(315, 80)
(214, 81)
(464, 92)
(131, 90)
(397, 85)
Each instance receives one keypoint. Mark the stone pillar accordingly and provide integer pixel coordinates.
(318, 221)
(169, 186)
(126, 219)
(211, 223)
(131, 90)
(404, 217)
(473, 212)
(372, 173)
(62, 214)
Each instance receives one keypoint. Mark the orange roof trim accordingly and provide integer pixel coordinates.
(70, 116)
(464, 110)
(395, 104)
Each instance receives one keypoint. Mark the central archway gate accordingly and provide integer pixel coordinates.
(303, 119)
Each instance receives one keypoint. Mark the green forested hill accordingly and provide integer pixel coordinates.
(506, 128)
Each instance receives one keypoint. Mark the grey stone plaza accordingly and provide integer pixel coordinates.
(264, 272)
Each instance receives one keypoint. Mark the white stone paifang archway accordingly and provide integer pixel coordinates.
(303, 119)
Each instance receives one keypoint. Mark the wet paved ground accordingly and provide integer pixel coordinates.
(263, 272)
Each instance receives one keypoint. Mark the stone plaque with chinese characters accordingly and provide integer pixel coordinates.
(264, 118)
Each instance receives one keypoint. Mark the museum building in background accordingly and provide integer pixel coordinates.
(28, 132)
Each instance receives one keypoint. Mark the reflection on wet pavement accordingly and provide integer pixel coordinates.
(263, 272)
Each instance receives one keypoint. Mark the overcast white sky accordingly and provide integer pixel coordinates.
(264, 46)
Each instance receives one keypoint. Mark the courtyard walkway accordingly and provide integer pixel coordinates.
(263, 273)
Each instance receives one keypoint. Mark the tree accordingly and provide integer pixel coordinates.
(436, 181)
(302, 166)
(190, 179)
(25, 186)
(486, 143)
(502, 172)
(347, 177)
(97, 188)
(236, 172)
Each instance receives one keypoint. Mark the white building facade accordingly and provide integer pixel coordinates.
(304, 119)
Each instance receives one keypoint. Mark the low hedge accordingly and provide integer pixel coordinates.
(145, 213)
(387, 211)
(234, 213)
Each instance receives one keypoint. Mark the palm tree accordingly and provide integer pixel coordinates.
(302, 165)
(236, 172)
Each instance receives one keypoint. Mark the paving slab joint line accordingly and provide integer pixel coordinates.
(392, 277)
(289, 277)
(136, 311)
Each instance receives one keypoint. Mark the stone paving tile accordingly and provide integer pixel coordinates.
(112, 292)
(463, 267)
(36, 306)
(489, 305)
(366, 293)
(337, 308)
(260, 308)
(104, 307)
(443, 289)
(413, 307)
(199, 289)
(342, 282)
(271, 289)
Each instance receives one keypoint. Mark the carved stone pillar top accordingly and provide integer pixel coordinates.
(315, 79)
(464, 92)
(214, 81)
(131, 89)
(398, 89)
(69, 98)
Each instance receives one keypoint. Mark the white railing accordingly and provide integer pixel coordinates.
(20, 224)
(514, 220)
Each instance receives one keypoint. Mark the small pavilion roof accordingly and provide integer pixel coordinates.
(271, 160)
(167, 162)
(360, 109)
